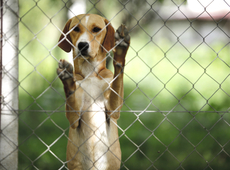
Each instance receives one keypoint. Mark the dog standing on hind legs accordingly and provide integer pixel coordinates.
(94, 95)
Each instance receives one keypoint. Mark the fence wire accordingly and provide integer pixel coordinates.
(175, 111)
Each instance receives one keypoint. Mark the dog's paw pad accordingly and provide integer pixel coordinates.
(122, 38)
(65, 70)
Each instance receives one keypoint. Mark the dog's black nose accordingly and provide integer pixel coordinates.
(83, 47)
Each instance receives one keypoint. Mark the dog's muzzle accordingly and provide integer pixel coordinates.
(83, 48)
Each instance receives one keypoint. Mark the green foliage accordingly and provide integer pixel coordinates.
(176, 104)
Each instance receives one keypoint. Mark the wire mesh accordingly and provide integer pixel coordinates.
(175, 111)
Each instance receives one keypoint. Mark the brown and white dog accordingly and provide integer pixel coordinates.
(94, 96)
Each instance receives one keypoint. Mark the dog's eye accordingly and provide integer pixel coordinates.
(96, 29)
(76, 29)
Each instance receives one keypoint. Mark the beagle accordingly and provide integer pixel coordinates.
(94, 96)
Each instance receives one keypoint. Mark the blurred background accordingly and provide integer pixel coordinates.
(176, 104)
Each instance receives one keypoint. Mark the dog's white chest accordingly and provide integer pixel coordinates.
(93, 94)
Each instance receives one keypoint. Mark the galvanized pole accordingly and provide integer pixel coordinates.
(9, 91)
(1, 39)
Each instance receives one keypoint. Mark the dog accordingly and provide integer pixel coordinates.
(94, 95)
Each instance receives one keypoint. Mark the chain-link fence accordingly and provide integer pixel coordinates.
(176, 103)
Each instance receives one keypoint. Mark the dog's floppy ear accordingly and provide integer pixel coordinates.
(108, 43)
(63, 43)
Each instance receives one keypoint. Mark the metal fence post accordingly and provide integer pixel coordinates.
(9, 71)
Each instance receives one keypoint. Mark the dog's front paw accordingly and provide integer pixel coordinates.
(122, 38)
(122, 41)
(64, 70)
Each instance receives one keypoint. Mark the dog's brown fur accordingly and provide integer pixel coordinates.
(93, 94)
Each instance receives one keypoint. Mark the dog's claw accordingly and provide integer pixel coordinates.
(122, 37)
(122, 41)
(65, 70)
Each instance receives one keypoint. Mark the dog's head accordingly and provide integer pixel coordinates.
(87, 35)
